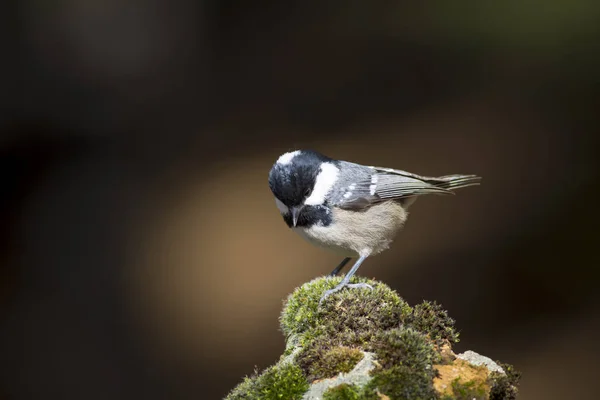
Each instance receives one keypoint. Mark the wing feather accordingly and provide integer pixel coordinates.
(394, 184)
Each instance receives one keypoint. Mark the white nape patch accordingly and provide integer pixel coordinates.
(323, 184)
(352, 187)
(282, 207)
(347, 195)
(287, 157)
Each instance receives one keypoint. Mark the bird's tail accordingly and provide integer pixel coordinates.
(451, 182)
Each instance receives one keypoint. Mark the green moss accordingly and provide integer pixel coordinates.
(504, 387)
(281, 381)
(404, 346)
(470, 390)
(350, 316)
(321, 361)
(405, 371)
(430, 318)
(400, 382)
(343, 392)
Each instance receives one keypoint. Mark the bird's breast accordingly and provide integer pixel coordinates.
(354, 233)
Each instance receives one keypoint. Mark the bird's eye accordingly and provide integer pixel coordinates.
(307, 192)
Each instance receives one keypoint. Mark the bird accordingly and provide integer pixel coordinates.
(351, 209)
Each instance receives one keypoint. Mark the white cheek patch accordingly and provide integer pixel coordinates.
(287, 157)
(282, 207)
(323, 184)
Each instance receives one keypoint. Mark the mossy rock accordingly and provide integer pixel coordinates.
(370, 344)
(322, 360)
(348, 317)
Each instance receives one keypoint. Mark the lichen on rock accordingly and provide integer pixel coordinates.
(370, 344)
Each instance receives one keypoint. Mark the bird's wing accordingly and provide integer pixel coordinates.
(393, 184)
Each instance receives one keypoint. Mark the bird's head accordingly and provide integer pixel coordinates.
(300, 181)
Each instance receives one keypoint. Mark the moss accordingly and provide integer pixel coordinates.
(343, 392)
(469, 390)
(404, 346)
(321, 361)
(346, 317)
(504, 386)
(405, 370)
(281, 381)
(430, 318)
(400, 382)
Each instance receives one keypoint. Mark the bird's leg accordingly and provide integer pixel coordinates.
(339, 267)
(346, 279)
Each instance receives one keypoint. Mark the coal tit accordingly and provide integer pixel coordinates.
(352, 209)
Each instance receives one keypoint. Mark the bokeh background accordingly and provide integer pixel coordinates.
(142, 255)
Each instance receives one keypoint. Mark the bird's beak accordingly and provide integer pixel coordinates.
(295, 214)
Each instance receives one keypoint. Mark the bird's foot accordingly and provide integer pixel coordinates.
(343, 285)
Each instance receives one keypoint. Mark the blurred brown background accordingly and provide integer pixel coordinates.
(142, 254)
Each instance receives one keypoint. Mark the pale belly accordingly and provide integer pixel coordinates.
(353, 234)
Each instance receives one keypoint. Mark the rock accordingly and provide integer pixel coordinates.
(478, 359)
(370, 344)
(359, 376)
